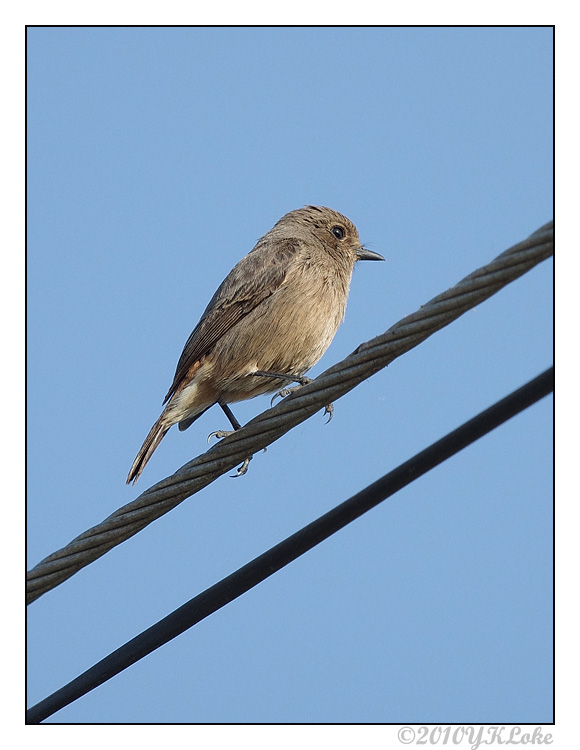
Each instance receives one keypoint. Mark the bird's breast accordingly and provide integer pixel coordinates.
(287, 333)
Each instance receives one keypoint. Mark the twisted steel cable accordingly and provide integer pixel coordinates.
(267, 427)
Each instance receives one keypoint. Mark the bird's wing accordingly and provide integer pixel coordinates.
(255, 278)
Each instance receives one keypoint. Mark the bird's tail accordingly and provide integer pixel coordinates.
(155, 436)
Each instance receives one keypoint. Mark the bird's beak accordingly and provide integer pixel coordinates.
(363, 254)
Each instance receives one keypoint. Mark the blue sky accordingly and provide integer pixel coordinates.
(156, 158)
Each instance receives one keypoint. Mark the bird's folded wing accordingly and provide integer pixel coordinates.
(255, 278)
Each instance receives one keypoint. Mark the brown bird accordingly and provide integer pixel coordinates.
(269, 322)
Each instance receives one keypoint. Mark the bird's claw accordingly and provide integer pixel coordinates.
(284, 392)
(328, 409)
(225, 433)
(287, 391)
(219, 434)
(242, 469)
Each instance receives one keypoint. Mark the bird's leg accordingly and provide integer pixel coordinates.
(328, 409)
(233, 421)
(290, 378)
(224, 433)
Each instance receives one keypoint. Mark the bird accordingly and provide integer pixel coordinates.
(268, 323)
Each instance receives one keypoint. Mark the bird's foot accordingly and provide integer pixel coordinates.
(287, 391)
(220, 434)
(225, 433)
(243, 468)
(328, 409)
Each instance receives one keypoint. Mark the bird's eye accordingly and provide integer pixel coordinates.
(338, 232)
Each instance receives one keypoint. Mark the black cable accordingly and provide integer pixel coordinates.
(236, 584)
